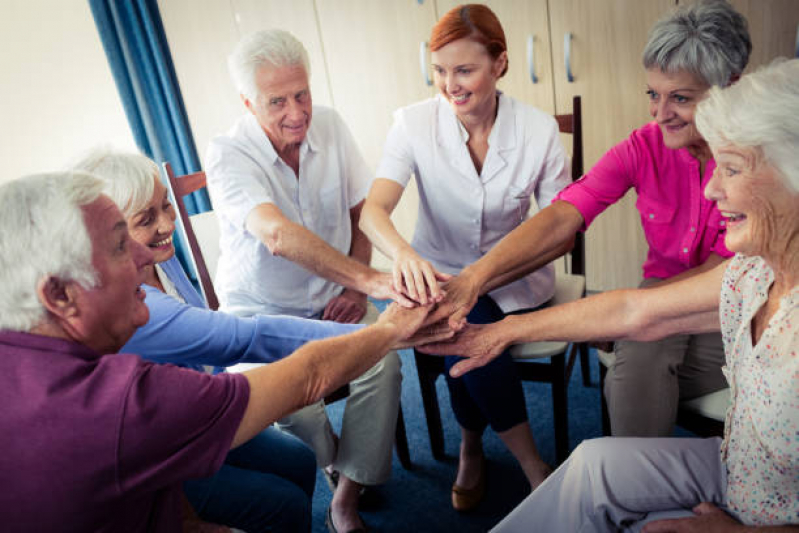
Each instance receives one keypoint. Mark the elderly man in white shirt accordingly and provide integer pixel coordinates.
(288, 192)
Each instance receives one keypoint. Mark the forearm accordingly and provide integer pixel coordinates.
(536, 242)
(377, 226)
(314, 370)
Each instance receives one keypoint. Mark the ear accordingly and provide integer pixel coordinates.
(500, 63)
(58, 297)
(733, 79)
(249, 104)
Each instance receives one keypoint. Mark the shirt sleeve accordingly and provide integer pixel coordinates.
(397, 162)
(556, 172)
(609, 179)
(186, 335)
(176, 424)
(235, 180)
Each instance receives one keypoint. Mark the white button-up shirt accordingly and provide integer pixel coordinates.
(244, 171)
(463, 214)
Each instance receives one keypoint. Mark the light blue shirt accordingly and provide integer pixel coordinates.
(192, 335)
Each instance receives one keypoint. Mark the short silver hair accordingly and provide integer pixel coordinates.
(128, 177)
(44, 235)
(759, 111)
(277, 48)
(707, 38)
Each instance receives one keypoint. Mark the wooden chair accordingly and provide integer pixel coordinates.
(550, 362)
(703, 416)
(204, 242)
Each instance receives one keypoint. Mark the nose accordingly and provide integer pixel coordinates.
(166, 223)
(142, 255)
(661, 110)
(450, 83)
(296, 110)
(713, 190)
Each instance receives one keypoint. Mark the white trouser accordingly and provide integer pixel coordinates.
(618, 484)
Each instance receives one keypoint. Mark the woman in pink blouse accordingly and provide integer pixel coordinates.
(668, 163)
(750, 479)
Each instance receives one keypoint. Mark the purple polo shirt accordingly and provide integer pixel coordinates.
(102, 443)
(681, 226)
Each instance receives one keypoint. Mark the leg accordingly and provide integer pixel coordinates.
(700, 372)
(608, 484)
(642, 387)
(311, 425)
(265, 485)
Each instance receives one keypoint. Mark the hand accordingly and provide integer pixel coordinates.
(349, 307)
(381, 287)
(461, 293)
(407, 320)
(479, 343)
(708, 519)
(427, 334)
(417, 278)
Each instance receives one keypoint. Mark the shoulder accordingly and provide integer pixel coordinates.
(239, 143)
(419, 115)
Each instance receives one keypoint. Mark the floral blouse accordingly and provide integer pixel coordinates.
(761, 438)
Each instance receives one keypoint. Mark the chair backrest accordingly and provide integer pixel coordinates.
(573, 124)
(201, 232)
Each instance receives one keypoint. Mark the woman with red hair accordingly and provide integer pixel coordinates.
(482, 160)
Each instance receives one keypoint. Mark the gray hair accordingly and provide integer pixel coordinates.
(760, 111)
(708, 38)
(128, 177)
(44, 235)
(276, 48)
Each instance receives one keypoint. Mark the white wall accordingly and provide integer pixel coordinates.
(57, 95)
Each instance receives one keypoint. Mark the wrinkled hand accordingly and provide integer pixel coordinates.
(417, 278)
(478, 343)
(406, 320)
(461, 293)
(349, 307)
(708, 519)
(431, 333)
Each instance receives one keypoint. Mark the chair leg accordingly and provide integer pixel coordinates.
(401, 441)
(560, 405)
(427, 386)
(602, 402)
(585, 367)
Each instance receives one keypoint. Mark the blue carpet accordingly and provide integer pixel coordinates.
(419, 499)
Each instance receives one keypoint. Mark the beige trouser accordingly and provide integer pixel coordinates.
(644, 386)
(363, 453)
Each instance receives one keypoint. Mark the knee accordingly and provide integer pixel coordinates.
(387, 372)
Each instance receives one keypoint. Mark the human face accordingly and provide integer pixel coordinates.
(154, 225)
(283, 107)
(762, 212)
(672, 102)
(109, 313)
(466, 76)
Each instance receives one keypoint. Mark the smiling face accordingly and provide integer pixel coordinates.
(154, 225)
(283, 107)
(672, 102)
(762, 213)
(466, 76)
(111, 312)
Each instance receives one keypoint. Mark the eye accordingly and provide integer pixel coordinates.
(680, 99)
(302, 96)
(652, 94)
(277, 102)
(437, 69)
(730, 171)
(464, 71)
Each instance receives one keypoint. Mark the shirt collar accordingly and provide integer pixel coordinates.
(257, 134)
(503, 132)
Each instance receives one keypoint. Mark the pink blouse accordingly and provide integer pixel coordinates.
(681, 226)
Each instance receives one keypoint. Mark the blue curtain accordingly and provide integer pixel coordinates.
(135, 43)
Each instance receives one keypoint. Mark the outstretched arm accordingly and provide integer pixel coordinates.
(689, 306)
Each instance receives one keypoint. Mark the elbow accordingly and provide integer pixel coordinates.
(273, 237)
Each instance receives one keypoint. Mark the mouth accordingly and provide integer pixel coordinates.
(460, 99)
(140, 294)
(733, 219)
(673, 128)
(295, 129)
(166, 243)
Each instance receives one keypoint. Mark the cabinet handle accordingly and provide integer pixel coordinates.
(531, 58)
(567, 56)
(423, 63)
(796, 54)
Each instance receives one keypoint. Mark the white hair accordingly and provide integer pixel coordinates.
(128, 177)
(707, 38)
(44, 235)
(760, 111)
(277, 48)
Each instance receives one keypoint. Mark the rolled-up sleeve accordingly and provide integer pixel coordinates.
(397, 163)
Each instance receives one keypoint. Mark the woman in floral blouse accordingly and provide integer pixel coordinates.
(750, 478)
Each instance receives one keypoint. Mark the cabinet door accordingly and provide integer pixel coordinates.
(522, 20)
(372, 50)
(773, 27)
(608, 37)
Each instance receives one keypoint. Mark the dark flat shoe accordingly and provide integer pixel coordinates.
(331, 528)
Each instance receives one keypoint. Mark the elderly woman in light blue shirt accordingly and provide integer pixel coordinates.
(268, 482)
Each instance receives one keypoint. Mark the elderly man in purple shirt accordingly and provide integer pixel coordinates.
(98, 442)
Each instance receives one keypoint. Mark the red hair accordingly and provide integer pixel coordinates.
(470, 21)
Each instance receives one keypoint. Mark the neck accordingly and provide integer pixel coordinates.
(151, 277)
(786, 269)
(482, 120)
(701, 152)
